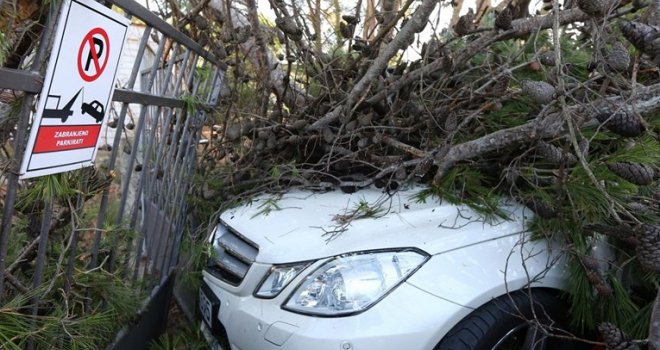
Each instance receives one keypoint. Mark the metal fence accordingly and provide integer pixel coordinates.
(157, 112)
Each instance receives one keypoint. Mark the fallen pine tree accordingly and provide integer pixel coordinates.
(559, 110)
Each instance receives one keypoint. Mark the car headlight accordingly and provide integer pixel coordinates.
(350, 284)
(277, 279)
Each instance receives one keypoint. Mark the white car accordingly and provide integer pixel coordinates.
(374, 271)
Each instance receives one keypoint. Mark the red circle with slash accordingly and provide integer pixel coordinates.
(90, 67)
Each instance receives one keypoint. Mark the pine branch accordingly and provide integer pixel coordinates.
(552, 125)
(402, 40)
(521, 28)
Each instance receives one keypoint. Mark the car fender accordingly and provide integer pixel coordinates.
(473, 275)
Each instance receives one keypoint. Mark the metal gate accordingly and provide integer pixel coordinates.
(139, 187)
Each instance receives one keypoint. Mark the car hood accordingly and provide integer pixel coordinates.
(302, 225)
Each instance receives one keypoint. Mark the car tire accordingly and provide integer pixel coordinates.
(503, 323)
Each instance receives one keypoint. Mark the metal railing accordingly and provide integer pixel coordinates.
(156, 162)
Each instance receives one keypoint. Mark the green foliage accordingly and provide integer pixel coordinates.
(4, 47)
(588, 308)
(57, 186)
(83, 332)
(73, 320)
(463, 185)
(182, 338)
(191, 103)
(645, 149)
(195, 252)
(86, 311)
(512, 113)
(364, 209)
(266, 207)
(15, 325)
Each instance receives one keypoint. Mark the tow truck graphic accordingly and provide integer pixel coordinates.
(94, 109)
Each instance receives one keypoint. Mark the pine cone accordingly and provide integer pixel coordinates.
(618, 58)
(614, 338)
(451, 122)
(539, 91)
(400, 174)
(555, 155)
(648, 250)
(346, 30)
(350, 19)
(589, 262)
(360, 45)
(465, 23)
(501, 85)
(599, 283)
(242, 34)
(548, 58)
(423, 167)
(503, 19)
(594, 8)
(644, 37)
(624, 124)
(637, 173)
(289, 27)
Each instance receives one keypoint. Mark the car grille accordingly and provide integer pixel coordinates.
(233, 255)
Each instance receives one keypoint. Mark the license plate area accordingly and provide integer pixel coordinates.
(209, 305)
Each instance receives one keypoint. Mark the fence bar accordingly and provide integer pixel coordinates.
(176, 151)
(32, 82)
(43, 242)
(164, 143)
(156, 22)
(174, 225)
(138, 132)
(154, 249)
(128, 96)
(19, 149)
(178, 225)
(14, 79)
(150, 140)
(188, 147)
(191, 80)
(136, 143)
(100, 221)
(166, 131)
(141, 240)
(152, 137)
(174, 143)
(208, 84)
(41, 256)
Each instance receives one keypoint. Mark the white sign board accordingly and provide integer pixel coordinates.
(77, 90)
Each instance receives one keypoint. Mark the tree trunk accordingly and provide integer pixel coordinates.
(275, 77)
(369, 21)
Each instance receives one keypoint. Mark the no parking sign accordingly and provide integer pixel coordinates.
(77, 89)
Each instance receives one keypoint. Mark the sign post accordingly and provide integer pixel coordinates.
(77, 89)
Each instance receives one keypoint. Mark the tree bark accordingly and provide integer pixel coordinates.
(402, 40)
(369, 29)
(646, 102)
(291, 95)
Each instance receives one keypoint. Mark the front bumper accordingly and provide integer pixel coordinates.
(408, 318)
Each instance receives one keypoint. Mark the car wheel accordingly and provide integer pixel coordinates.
(508, 322)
